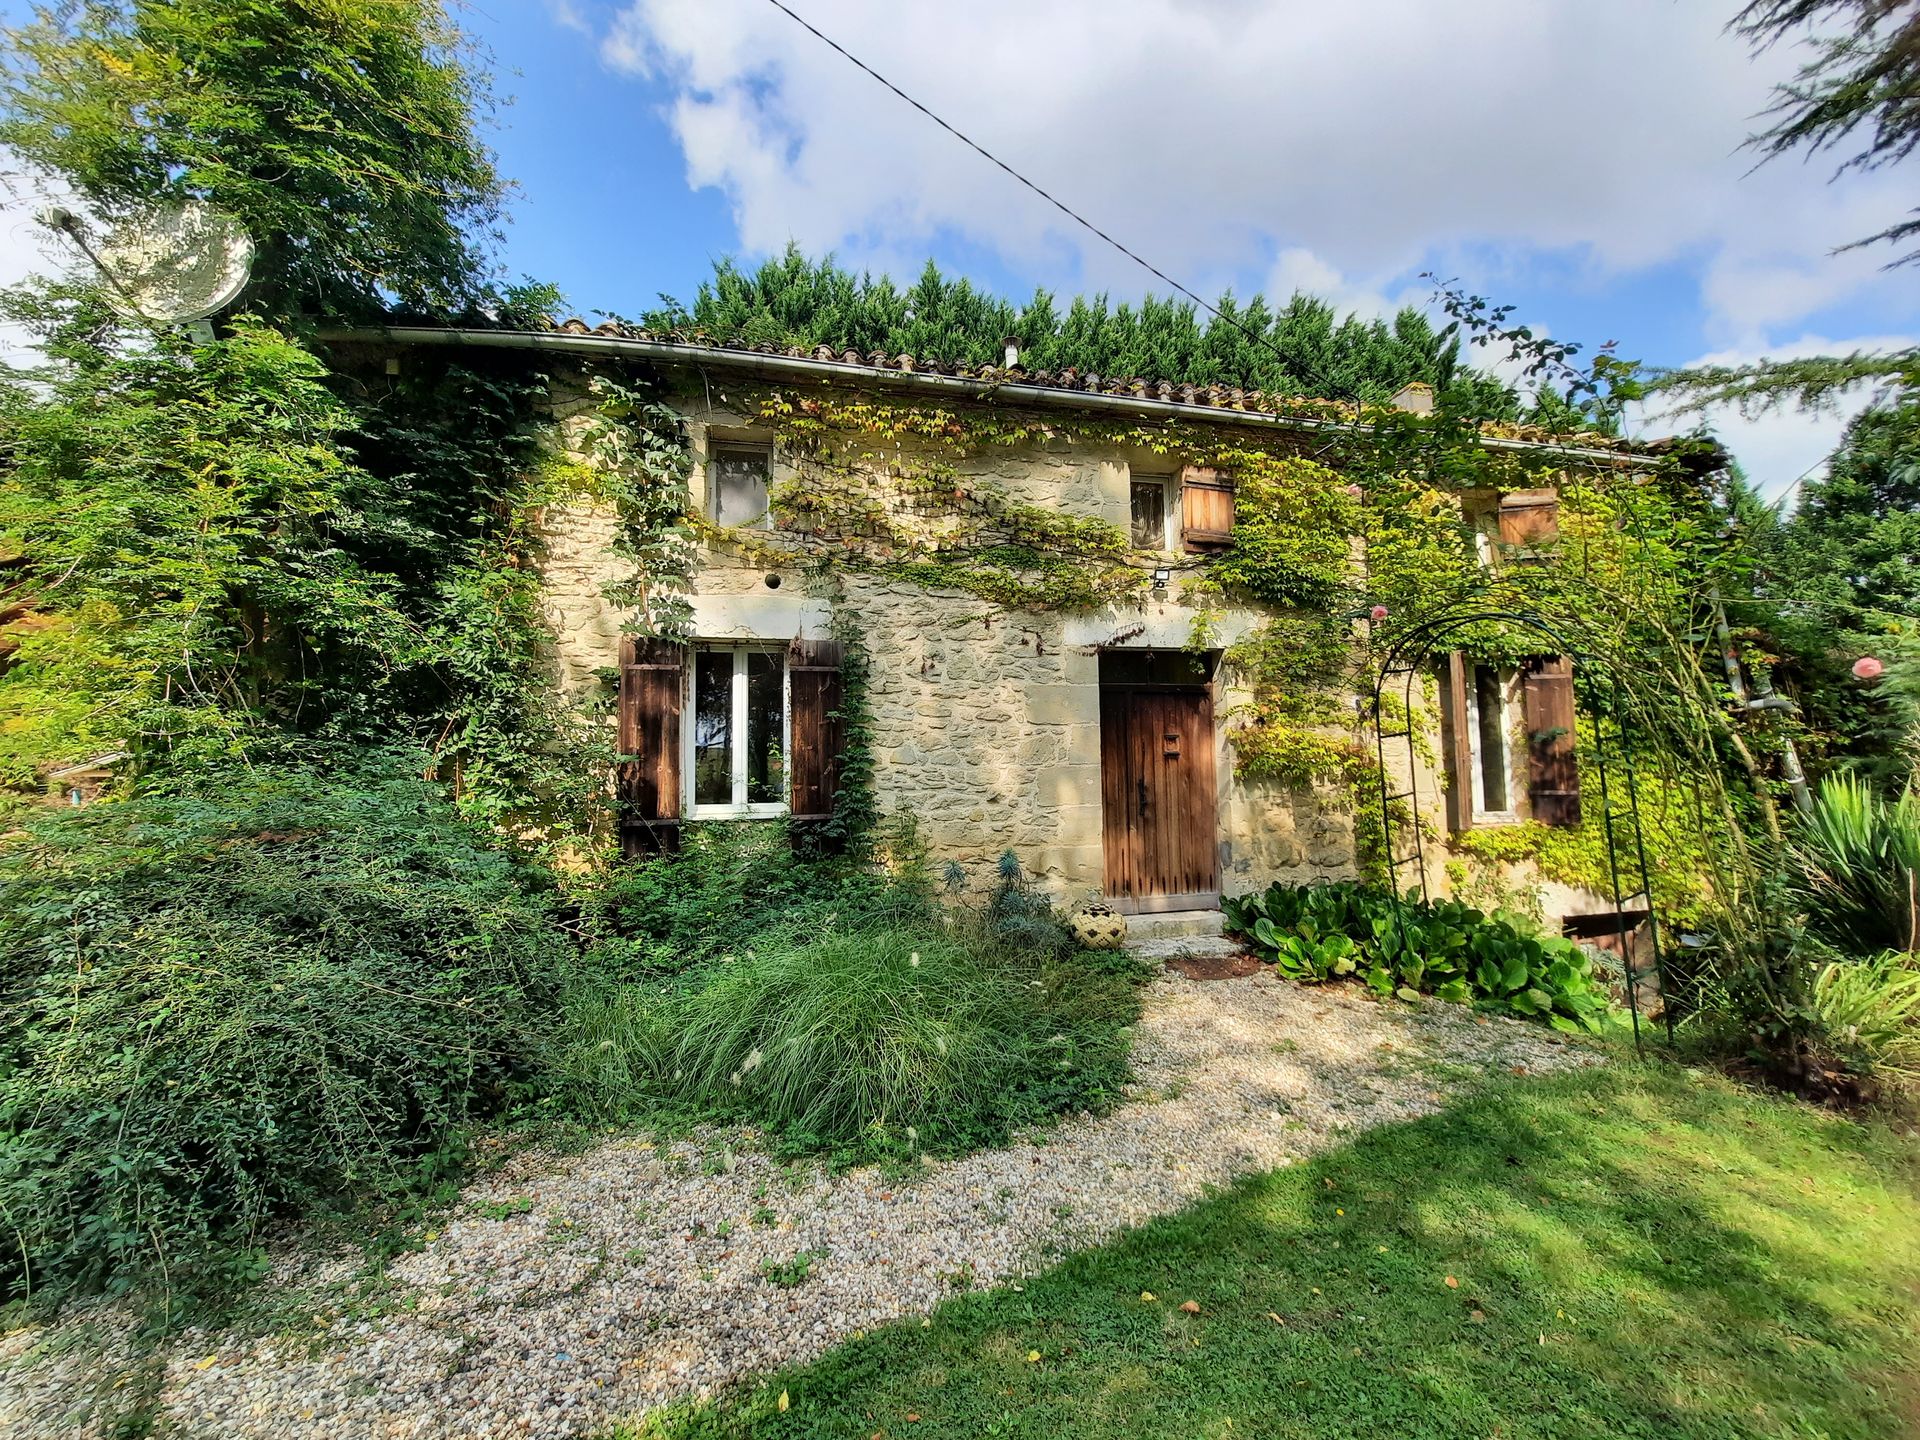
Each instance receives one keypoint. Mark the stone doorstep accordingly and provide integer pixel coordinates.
(1176, 924)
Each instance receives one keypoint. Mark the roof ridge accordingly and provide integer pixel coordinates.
(1213, 397)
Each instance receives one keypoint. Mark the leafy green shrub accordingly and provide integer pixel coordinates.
(733, 883)
(1313, 933)
(1869, 1013)
(222, 1005)
(1858, 863)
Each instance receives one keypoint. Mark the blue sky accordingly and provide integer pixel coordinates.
(1582, 162)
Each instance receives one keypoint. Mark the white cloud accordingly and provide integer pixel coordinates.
(1227, 136)
(569, 16)
(1335, 149)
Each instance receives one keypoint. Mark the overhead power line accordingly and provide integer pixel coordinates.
(1058, 204)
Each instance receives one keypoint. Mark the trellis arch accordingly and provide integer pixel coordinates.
(1405, 662)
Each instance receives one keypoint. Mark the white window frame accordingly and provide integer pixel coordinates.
(737, 808)
(1169, 505)
(715, 449)
(1503, 683)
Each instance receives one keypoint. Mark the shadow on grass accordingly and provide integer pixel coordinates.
(1629, 1252)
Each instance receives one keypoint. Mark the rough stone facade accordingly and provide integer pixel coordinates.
(986, 722)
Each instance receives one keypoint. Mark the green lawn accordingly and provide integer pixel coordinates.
(1632, 1252)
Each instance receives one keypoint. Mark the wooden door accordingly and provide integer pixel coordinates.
(1157, 797)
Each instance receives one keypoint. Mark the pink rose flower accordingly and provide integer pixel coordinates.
(1867, 667)
(1379, 612)
(1355, 491)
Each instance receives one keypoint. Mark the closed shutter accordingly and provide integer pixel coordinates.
(1206, 509)
(1553, 770)
(651, 683)
(1456, 742)
(814, 695)
(1529, 519)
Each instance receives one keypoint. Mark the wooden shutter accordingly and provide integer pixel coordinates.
(1456, 741)
(652, 678)
(1206, 509)
(818, 736)
(1553, 772)
(1529, 519)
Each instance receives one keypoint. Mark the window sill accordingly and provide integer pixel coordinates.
(1498, 817)
(737, 812)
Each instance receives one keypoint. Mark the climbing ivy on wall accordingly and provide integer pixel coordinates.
(1342, 548)
(632, 455)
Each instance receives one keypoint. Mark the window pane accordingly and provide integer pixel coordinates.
(766, 763)
(740, 486)
(1149, 514)
(713, 727)
(1488, 701)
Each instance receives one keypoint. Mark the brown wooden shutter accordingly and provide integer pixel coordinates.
(1553, 771)
(1206, 509)
(1529, 519)
(814, 694)
(1456, 742)
(652, 676)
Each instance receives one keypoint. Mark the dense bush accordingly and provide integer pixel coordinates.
(224, 1004)
(1857, 863)
(732, 883)
(857, 1016)
(1323, 932)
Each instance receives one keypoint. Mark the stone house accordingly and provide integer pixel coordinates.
(1094, 740)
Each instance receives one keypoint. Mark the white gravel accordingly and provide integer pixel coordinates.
(627, 1276)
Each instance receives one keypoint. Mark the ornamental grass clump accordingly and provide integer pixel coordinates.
(895, 1040)
(284, 989)
(886, 1029)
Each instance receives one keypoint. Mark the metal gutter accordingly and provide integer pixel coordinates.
(789, 367)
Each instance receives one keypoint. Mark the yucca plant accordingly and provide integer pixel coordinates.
(1858, 858)
(1869, 1011)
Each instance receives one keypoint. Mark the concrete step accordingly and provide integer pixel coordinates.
(1183, 947)
(1175, 925)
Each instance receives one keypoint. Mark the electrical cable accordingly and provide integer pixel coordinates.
(1060, 205)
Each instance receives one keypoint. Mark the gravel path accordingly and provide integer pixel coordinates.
(569, 1291)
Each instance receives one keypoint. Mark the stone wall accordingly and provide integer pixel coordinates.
(986, 723)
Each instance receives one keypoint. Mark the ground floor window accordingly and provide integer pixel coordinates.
(737, 743)
(1490, 738)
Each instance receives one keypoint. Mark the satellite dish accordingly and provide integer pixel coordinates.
(176, 264)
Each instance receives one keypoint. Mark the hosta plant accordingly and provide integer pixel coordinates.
(1313, 933)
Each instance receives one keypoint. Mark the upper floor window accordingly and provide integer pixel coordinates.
(738, 739)
(1151, 496)
(738, 477)
(1206, 509)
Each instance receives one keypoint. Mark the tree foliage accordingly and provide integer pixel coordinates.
(1301, 348)
(339, 132)
(1859, 94)
(223, 548)
(1838, 578)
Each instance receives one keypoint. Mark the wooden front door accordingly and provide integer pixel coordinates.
(1157, 797)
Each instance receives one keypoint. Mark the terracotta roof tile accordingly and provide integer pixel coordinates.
(1207, 397)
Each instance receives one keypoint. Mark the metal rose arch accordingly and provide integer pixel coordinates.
(1406, 660)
